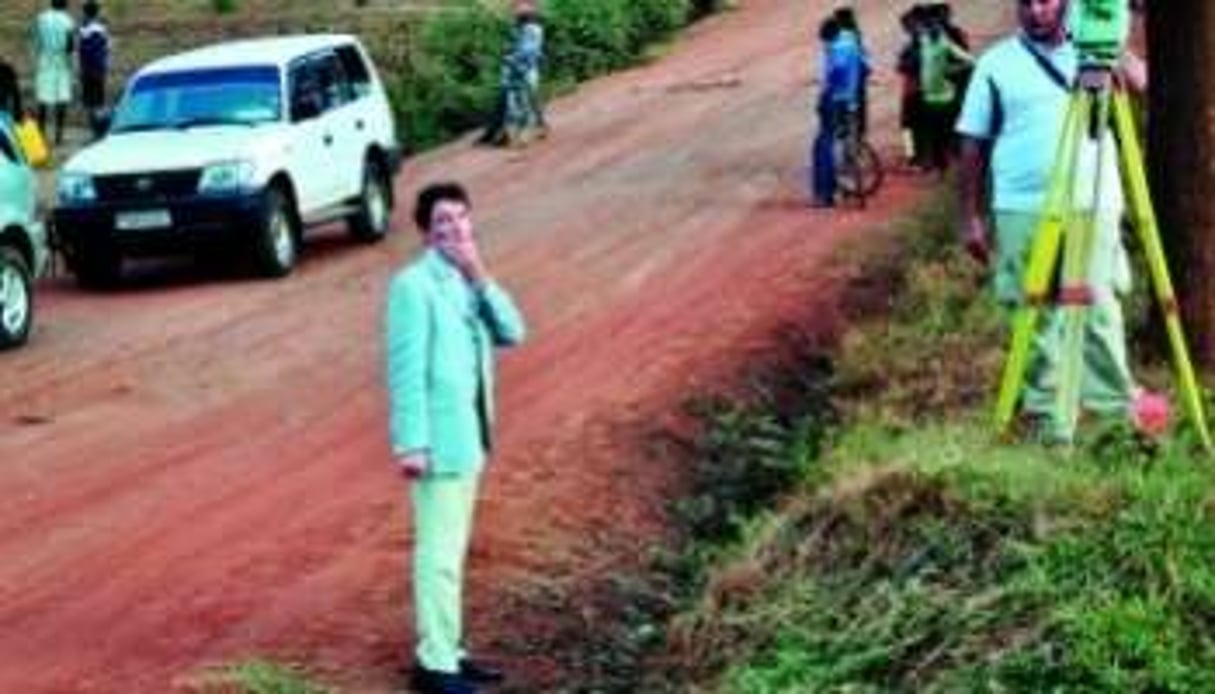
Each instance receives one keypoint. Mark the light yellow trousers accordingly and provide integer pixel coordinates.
(1106, 385)
(443, 518)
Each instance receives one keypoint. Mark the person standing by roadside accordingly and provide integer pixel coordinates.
(445, 316)
(518, 111)
(1011, 123)
(960, 73)
(53, 43)
(838, 102)
(94, 60)
(939, 59)
(850, 32)
(910, 101)
(10, 93)
(524, 113)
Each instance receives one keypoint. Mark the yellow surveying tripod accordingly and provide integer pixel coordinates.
(1096, 100)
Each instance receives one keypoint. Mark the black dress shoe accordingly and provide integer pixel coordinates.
(426, 681)
(480, 672)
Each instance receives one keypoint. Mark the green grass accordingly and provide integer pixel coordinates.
(936, 560)
(922, 554)
(256, 677)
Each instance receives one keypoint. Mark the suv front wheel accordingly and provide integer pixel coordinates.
(16, 304)
(277, 244)
(370, 222)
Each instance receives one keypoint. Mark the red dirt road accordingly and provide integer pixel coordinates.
(195, 470)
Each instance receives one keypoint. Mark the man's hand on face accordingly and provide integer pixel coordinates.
(451, 233)
(464, 254)
(413, 465)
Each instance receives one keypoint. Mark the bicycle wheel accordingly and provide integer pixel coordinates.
(869, 172)
(858, 169)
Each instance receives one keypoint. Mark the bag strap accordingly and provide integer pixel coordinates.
(1052, 71)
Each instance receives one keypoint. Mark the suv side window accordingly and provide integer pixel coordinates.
(307, 96)
(333, 82)
(356, 70)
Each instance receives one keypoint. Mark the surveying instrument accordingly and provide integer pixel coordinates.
(1096, 104)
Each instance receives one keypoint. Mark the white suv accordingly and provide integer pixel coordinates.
(242, 143)
(23, 246)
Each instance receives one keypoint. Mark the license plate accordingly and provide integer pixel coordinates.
(143, 219)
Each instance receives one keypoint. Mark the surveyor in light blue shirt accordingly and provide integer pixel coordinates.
(1011, 122)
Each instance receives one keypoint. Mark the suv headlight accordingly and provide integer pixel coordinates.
(75, 188)
(226, 177)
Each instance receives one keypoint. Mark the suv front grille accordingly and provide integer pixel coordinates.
(147, 187)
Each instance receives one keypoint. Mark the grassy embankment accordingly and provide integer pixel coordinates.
(919, 554)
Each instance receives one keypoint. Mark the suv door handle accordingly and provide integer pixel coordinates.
(327, 139)
(359, 125)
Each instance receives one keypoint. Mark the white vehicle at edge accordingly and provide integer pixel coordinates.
(242, 144)
(23, 244)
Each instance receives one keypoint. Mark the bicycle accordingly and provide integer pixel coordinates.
(858, 168)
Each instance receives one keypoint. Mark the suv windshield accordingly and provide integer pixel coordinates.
(191, 98)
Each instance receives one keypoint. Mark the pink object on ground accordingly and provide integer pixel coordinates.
(1150, 413)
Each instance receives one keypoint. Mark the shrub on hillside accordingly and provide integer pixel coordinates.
(653, 20)
(701, 8)
(225, 6)
(448, 80)
(588, 38)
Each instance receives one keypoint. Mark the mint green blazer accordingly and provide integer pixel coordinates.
(440, 338)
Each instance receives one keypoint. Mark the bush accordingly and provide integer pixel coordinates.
(225, 6)
(654, 20)
(588, 38)
(449, 77)
(448, 80)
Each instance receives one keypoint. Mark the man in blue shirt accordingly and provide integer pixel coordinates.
(839, 99)
(850, 32)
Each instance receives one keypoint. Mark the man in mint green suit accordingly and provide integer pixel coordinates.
(445, 316)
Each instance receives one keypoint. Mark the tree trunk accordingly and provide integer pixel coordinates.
(1181, 154)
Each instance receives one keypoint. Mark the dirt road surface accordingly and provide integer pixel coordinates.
(194, 468)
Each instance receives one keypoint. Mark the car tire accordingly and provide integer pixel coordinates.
(370, 223)
(277, 246)
(96, 268)
(16, 299)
